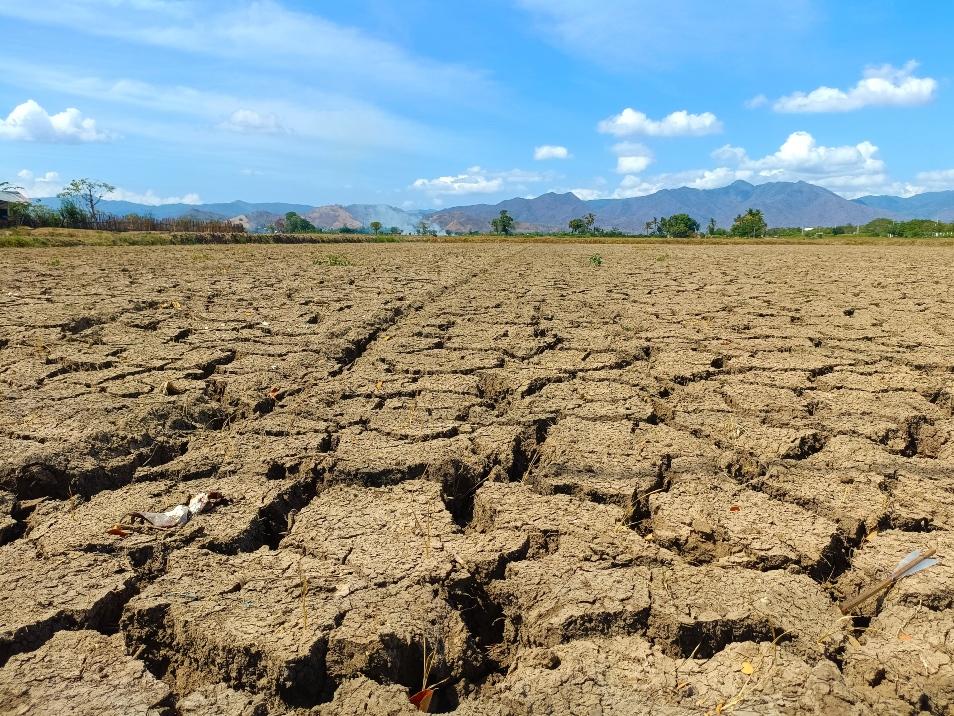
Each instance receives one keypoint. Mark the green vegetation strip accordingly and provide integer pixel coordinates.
(27, 238)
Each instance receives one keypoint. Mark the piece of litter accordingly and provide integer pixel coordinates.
(912, 563)
(180, 514)
(734, 508)
(117, 530)
(747, 668)
(422, 699)
(170, 388)
(902, 636)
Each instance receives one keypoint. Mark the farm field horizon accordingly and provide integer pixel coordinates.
(537, 477)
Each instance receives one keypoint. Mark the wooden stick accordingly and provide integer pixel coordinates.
(850, 604)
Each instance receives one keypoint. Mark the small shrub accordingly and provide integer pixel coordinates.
(596, 260)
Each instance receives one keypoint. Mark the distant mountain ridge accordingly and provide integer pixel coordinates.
(937, 205)
(783, 204)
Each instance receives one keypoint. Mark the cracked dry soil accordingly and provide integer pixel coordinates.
(637, 487)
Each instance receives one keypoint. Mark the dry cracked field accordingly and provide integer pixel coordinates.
(638, 487)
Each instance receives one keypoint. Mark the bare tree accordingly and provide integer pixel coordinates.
(87, 193)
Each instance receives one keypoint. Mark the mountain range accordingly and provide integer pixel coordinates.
(782, 203)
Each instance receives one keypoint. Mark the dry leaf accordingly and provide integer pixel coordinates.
(422, 699)
(872, 535)
(176, 305)
(379, 385)
(734, 508)
(118, 530)
(747, 668)
(904, 636)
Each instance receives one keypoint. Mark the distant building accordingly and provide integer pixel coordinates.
(7, 199)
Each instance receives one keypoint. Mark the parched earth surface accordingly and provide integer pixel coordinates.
(540, 483)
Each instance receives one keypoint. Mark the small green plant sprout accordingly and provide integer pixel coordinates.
(332, 260)
(596, 260)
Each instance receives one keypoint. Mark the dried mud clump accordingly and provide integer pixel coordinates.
(486, 470)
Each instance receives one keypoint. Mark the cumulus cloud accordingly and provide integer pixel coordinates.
(677, 124)
(477, 180)
(632, 157)
(150, 198)
(248, 121)
(47, 184)
(36, 186)
(29, 122)
(883, 86)
(935, 180)
(550, 151)
(849, 169)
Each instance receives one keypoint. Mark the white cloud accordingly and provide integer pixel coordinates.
(632, 157)
(150, 198)
(851, 170)
(477, 180)
(630, 35)
(936, 180)
(459, 184)
(248, 121)
(36, 186)
(47, 184)
(29, 122)
(759, 100)
(681, 123)
(264, 33)
(883, 86)
(550, 151)
(632, 165)
(589, 194)
(632, 185)
(324, 117)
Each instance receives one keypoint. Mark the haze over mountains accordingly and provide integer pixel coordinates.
(783, 204)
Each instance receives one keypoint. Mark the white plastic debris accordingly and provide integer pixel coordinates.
(180, 514)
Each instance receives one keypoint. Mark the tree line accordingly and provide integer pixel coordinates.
(80, 209)
(750, 224)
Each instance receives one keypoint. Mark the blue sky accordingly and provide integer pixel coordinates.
(421, 103)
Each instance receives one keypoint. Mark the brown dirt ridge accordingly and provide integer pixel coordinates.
(550, 485)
